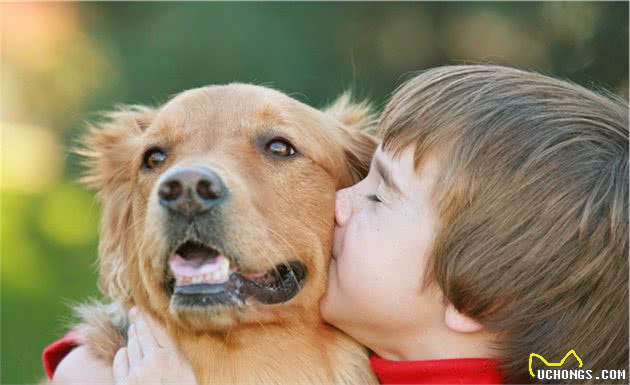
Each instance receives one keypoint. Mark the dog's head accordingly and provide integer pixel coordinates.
(218, 206)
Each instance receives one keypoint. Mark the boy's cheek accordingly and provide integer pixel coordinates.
(335, 301)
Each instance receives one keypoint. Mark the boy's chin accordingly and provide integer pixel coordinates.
(336, 307)
(327, 307)
(333, 309)
(337, 320)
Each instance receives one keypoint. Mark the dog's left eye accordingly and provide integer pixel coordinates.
(280, 147)
(153, 158)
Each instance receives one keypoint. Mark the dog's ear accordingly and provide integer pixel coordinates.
(109, 149)
(358, 121)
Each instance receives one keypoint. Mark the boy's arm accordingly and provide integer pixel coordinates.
(66, 362)
(81, 367)
(56, 351)
(150, 357)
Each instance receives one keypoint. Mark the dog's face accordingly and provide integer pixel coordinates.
(219, 205)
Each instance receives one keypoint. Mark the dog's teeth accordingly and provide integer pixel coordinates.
(209, 278)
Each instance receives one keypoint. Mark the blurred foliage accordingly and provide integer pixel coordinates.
(62, 62)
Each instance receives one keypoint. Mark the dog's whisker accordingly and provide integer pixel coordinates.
(292, 250)
(263, 252)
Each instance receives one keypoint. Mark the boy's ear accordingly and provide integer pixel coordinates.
(357, 122)
(110, 150)
(459, 322)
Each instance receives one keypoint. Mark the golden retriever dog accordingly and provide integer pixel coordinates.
(217, 221)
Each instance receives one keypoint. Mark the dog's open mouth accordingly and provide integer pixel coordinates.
(203, 276)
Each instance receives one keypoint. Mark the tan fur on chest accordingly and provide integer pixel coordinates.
(309, 354)
(306, 356)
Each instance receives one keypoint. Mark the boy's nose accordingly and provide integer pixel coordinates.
(343, 208)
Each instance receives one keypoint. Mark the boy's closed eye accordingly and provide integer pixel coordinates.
(382, 195)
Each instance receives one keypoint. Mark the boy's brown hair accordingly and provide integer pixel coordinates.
(533, 202)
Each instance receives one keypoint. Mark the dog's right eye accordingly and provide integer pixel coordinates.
(280, 147)
(153, 158)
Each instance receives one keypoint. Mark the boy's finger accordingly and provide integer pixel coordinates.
(144, 335)
(134, 352)
(120, 366)
(160, 334)
(133, 313)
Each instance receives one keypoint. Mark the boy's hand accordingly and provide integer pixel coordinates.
(151, 357)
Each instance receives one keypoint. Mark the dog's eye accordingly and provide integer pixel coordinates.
(280, 147)
(153, 158)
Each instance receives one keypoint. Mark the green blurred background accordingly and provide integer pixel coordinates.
(63, 62)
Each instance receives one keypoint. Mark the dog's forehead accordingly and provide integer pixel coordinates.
(230, 107)
(212, 116)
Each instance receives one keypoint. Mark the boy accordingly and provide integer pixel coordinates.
(492, 225)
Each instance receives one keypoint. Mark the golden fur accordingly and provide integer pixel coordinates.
(277, 211)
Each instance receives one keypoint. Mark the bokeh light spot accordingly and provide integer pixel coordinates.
(68, 216)
(32, 158)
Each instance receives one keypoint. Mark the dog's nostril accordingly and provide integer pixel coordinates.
(204, 189)
(170, 190)
(208, 190)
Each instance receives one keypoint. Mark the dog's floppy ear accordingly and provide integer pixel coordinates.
(109, 149)
(358, 122)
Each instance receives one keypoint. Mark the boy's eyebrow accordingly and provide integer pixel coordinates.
(386, 174)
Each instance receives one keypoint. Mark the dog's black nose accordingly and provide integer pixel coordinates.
(191, 191)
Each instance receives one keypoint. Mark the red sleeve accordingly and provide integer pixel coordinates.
(55, 352)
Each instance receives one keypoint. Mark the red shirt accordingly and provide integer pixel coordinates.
(447, 371)
(450, 371)
(55, 352)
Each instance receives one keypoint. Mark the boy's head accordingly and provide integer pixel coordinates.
(518, 220)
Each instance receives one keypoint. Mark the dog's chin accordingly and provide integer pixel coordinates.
(205, 284)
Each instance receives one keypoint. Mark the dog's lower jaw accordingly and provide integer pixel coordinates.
(201, 319)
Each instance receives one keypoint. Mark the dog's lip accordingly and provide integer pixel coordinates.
(275, 286)
(279, 285)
